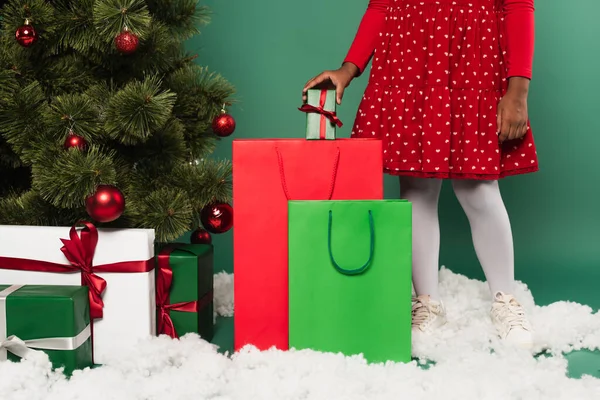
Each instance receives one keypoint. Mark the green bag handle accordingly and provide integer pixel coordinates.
(356, 271)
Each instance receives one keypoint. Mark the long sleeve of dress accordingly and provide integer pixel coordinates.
(367, 35)
(520, 33)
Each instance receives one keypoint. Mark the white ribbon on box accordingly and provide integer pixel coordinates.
(24, 348)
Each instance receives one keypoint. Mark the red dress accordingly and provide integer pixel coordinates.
(439, 70)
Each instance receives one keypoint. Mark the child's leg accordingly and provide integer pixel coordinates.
(491, 231)
(424, 195)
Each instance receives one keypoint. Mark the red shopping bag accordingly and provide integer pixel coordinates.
(266, 174)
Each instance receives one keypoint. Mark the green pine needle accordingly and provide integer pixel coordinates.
(21, 117)
(76, 112)
(79, 32)
(30, 209)
(137, 110)
(68, 178)
(182, 17)
(112, 16)
(213, 176)
(145, 117)
(168, 210)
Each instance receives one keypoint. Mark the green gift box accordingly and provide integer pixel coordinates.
(321, 119)
(350, 277)
(184, 290)
(53, 319)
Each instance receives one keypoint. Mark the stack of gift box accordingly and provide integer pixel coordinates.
(321, 261)
(83, 294)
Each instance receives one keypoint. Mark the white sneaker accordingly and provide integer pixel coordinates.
(427, 314)
(510, 321)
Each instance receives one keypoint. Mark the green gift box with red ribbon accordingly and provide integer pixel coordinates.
(52, 319)
(321, 117)
(184, 290)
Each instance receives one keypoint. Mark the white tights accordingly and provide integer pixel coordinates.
(490, 228)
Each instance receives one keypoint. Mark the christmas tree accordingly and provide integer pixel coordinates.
(104, 116)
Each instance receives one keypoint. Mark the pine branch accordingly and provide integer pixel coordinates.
(21, 118)
(168, 210)
(145, 116)
(78, 31)
(182, 17)
(213, 177)
(137, 110)
(75, 112)
(200, 97)
(163, 48)
(67, 73)
(30, 209)
(112, 16)
(39, 13)
(8, 84)
(67, 178)
(99, 94)
(165, 148)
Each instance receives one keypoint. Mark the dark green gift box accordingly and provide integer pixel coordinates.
(53, 319)
(184, 290)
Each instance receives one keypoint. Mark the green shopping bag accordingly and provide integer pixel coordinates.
(350, 277)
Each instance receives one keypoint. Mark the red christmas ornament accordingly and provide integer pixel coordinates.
(223, 125)
(126, 42)
(75, 141)
(201, 236)
(26, 35)
(106, 204)
(217, 218)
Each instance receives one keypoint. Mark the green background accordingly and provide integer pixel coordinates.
(269, 49)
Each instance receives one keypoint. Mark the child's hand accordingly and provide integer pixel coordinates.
(512, 111)
(338, 79)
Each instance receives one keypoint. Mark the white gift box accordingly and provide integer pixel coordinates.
(129, 298)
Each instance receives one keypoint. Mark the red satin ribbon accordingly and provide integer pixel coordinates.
(164, 279)
(325, 115)
(80, 253)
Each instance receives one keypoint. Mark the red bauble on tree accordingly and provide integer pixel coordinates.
(26, 35)
(201, 236)
(126, 42)
(75, 141)
(223, 125)
(106, 204)
(217, 217)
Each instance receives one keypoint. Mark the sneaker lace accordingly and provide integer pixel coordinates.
(420, 312)
(512, 314)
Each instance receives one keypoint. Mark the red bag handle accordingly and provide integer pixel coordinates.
(284, 182)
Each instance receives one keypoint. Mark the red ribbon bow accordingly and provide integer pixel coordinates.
(164, 279)
(79, 251)
(325, 115)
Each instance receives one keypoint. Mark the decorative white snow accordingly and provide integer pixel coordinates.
(465, 366)
(223, 294)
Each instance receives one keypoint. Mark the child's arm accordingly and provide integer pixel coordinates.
(359, 55)
(520, 30)
(512, 116)
(370, 28)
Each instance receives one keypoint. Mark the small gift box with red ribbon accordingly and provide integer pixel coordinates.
(321, 118)
(117, 266)
(184, 290)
